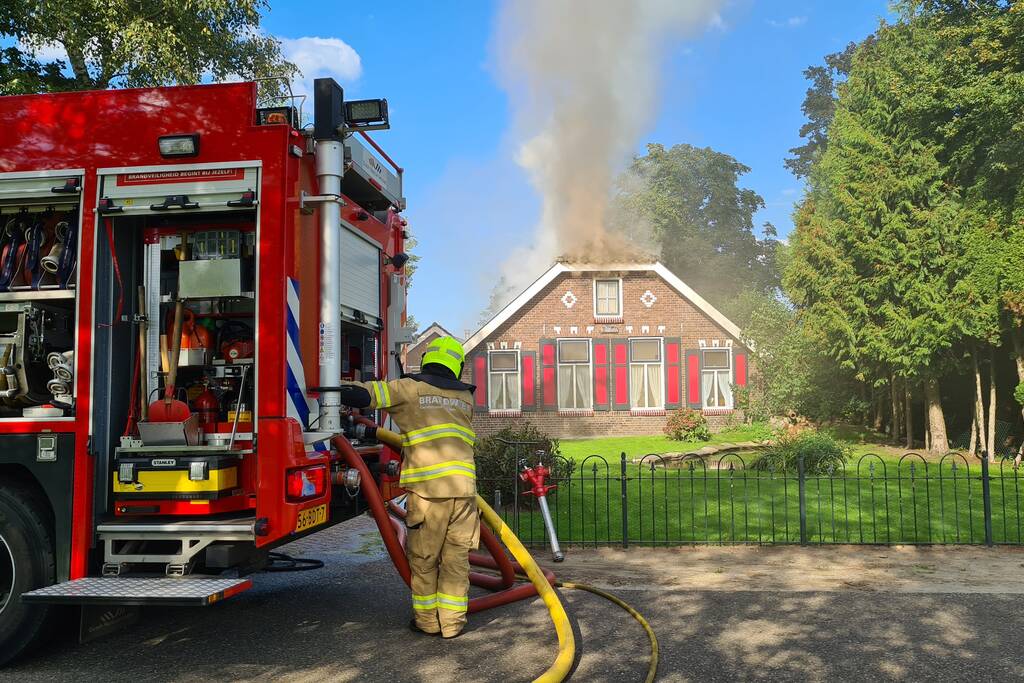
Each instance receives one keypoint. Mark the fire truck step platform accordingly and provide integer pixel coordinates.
(189, 591)
(126, 542)
(236, 528)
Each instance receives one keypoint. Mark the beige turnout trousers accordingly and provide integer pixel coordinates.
(442, 531)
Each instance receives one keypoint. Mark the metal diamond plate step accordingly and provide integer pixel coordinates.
(188, 591)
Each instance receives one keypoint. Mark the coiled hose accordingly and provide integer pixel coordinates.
(566, 640)
(652, 668)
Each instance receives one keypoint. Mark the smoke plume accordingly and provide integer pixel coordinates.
(583, 77)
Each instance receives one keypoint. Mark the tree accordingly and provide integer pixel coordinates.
(971, 101)
(699, 220)
(126, 43)
(908, 253)
(793, 373)
(819, 107)
(20, 74)
(879, 244)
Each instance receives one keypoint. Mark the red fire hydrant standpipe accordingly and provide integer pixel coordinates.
(535, 476)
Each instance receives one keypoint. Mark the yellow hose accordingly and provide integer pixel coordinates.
(393, 439)
(566, 641)
(652, 669)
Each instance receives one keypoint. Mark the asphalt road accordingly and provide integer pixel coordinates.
(347, 622)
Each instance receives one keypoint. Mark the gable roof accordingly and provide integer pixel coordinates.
(558, 268)
(433, 327)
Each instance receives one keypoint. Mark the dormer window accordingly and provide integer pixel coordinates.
(608, 299)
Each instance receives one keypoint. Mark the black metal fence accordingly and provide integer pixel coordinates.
(656, 500)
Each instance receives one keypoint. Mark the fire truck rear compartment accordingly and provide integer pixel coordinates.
(174, 473)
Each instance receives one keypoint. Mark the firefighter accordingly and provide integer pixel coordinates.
(433, 410)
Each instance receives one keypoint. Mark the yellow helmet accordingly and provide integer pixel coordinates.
(446, 351)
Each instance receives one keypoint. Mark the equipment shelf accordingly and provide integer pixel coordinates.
(37, 295)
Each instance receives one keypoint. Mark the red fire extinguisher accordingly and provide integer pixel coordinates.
(207, 407)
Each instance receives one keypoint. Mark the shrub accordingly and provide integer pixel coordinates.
(822, 454)
(687, 425)
(499, 460)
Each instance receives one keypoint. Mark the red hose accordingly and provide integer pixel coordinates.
(362, 419)
(108, 224)
(498, 560)
(373, 498)
(505, 565)
(133, 398)
(387, 524)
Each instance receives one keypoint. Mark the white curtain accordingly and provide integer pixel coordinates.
(504, 391)
(636, 386)
(582, 386)
(716, 389)
(565, 386)
(496, 400)
(654, 386)
(574, 384)
(707, 390)
(725, 389)
(645, 385)
(512, 391)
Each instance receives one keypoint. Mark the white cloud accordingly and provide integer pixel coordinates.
(791, 22)
(321, 58)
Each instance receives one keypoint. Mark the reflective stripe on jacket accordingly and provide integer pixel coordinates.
(437, 437)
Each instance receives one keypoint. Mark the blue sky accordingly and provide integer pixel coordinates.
(737, 87)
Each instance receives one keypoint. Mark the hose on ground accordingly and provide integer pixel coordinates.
(281, 562)
(566, 640)
(652, 669)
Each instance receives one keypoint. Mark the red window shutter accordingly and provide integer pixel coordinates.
(693, 378)
(601, 399)
(620, 374)
(549, 393)
(529, 374)
(673, 380)
(480, 379)
(740, 369)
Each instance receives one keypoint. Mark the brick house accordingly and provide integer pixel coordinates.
(414, 353)
(595, 350)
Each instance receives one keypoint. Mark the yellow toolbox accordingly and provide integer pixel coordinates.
(176, 476)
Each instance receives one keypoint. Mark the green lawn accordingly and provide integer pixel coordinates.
(637, 446)
(878, 499)
(861, 441)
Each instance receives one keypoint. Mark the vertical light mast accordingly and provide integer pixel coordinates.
(328, 125)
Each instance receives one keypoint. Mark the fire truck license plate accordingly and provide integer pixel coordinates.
(311, 518)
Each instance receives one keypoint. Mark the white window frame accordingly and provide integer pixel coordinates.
(729, 374)
(590, 370)
(518, 372)
(661, 364)
(603, 316)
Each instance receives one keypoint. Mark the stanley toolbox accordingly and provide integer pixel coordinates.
(179, 475)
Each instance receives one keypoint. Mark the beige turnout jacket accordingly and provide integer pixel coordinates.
(434, 416)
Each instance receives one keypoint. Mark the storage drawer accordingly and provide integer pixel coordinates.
(177, 477)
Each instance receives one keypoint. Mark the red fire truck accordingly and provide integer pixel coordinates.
(183, 244)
